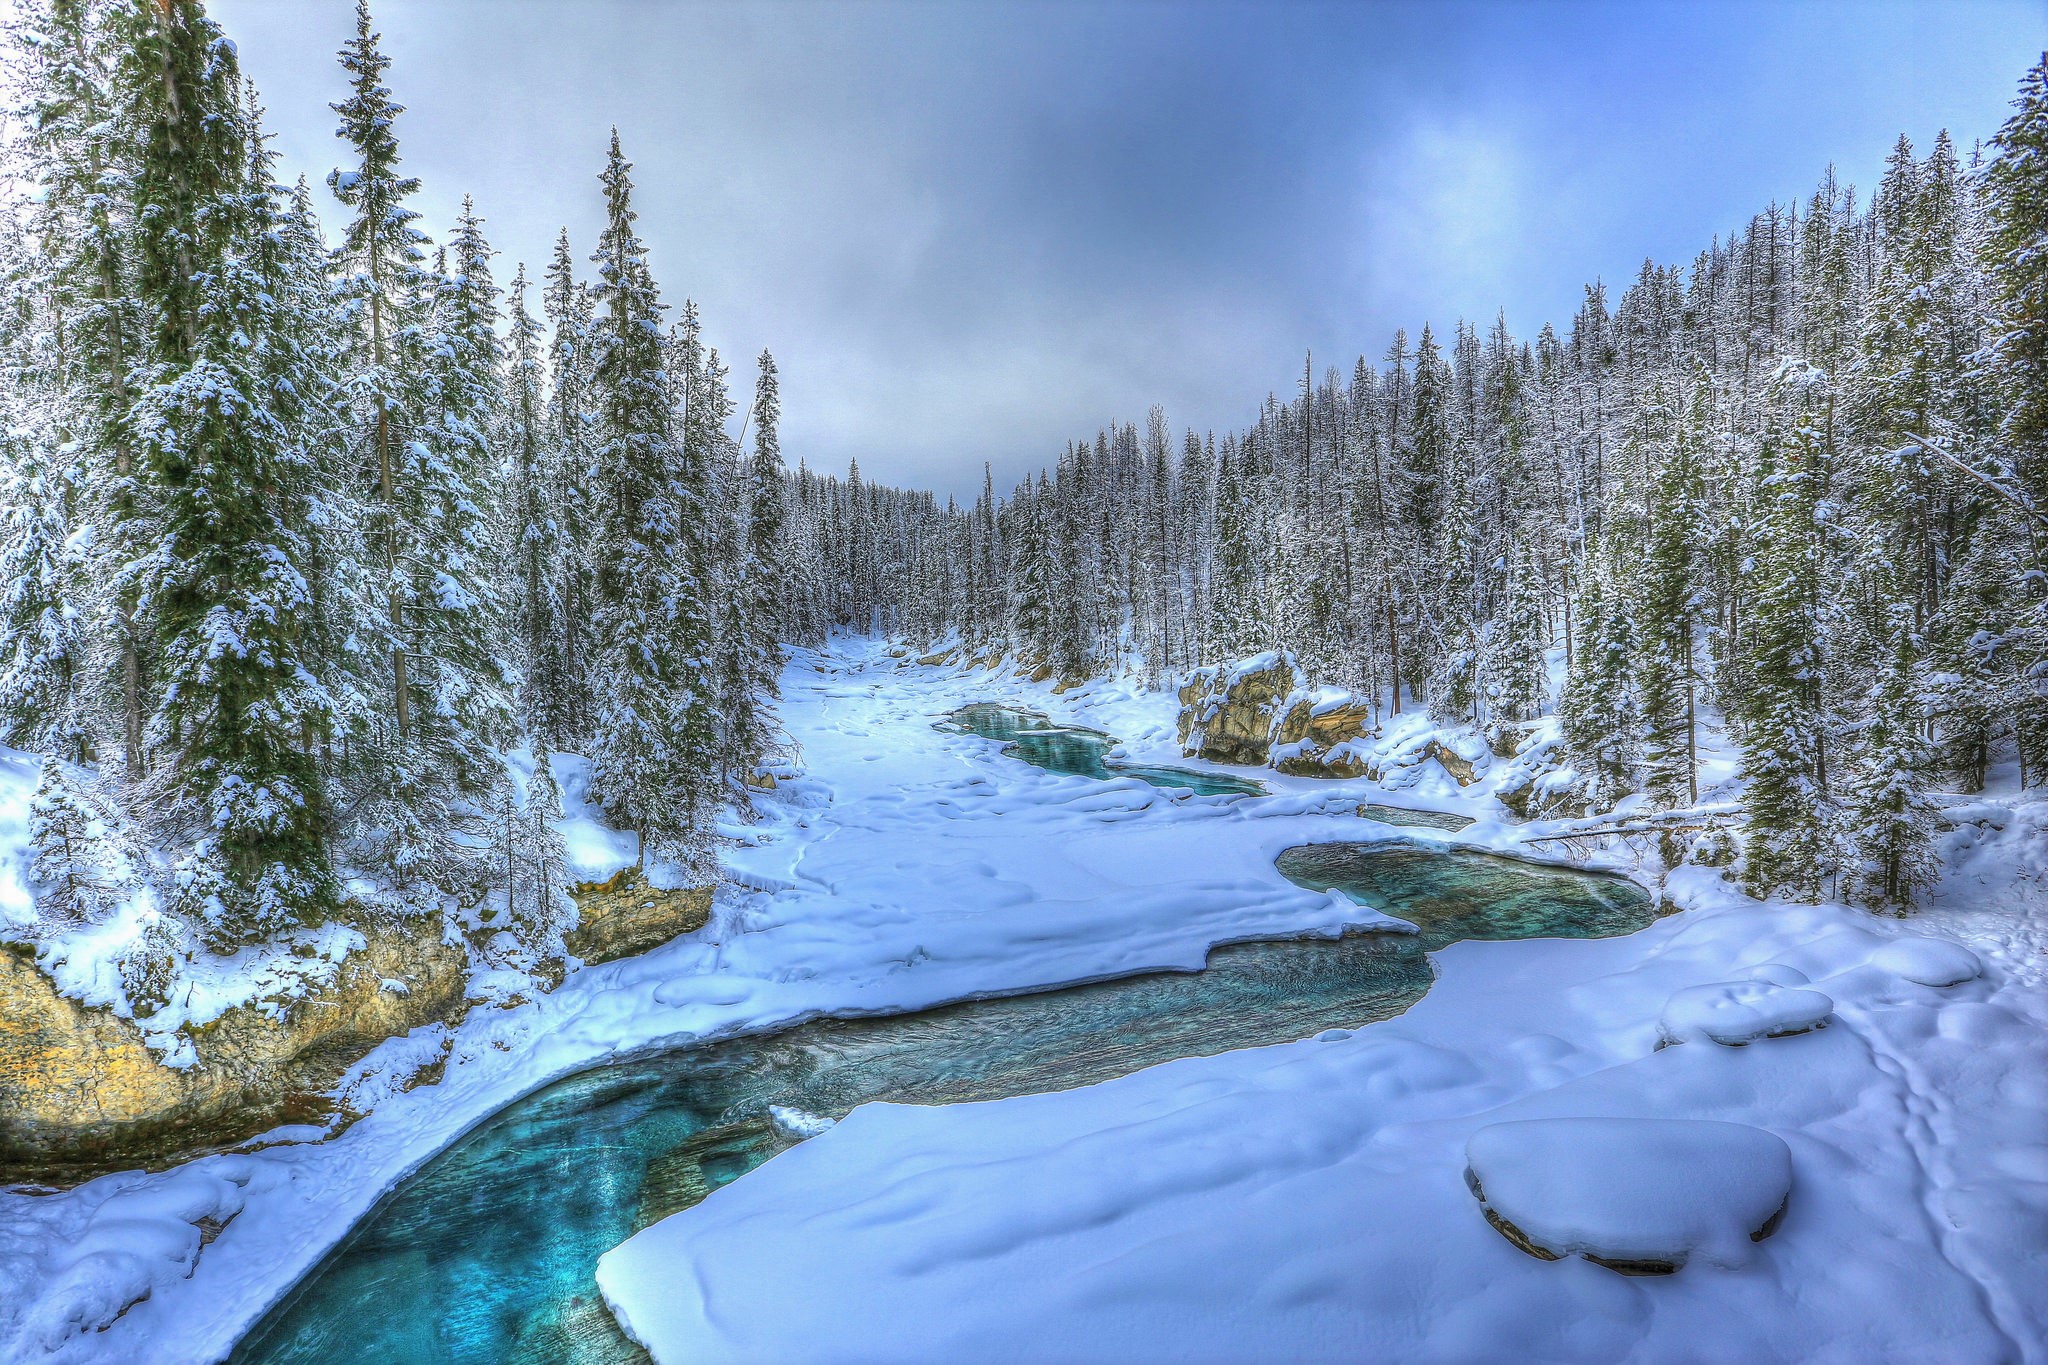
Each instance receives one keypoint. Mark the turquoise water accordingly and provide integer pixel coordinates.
(1413, 819)
(487, 1254)
(1079, 752)
(1446, 893)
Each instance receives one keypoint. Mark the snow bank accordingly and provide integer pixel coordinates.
(1644, 1194)
(1296, 1202)
(1735, 1013)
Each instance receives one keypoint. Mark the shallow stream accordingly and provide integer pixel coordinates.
(487, 1254)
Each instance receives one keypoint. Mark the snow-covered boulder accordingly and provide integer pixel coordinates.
(1928, 961)
(1734, 1013)
(1641, 1196)
(797, 1124)
(1229, 712)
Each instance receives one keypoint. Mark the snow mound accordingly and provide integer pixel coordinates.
(796, 1123)
(1929, 961)
(1733, 1013)
(1642, 1196)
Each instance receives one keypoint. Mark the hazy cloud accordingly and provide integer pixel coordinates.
(974, 231)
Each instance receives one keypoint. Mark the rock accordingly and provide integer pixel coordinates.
(760, 782)
(1736, 1013)
(1229, 713)
(625, 916)
(1929, 961)
(1465, 769)
(1639, 1196)
(1314, 737)
(82, 1092)
(1309, 761)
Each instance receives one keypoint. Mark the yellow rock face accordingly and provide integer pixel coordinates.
(81, 1092)
(79, 1087)
(625, 916)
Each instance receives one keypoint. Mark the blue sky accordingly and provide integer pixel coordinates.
(973, 231)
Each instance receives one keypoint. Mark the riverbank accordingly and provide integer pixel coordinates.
(908, 867)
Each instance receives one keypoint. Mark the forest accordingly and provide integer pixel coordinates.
(1796, 483)
(303, 535)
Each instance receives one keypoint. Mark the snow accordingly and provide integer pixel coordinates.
(1302, 1202)
(1734, 1013)
(1665, 1190)
(797, 1123)
(1930, 961)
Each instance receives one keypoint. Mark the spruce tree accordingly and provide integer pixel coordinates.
(1788, 848)
(651, 751)
(234, 726)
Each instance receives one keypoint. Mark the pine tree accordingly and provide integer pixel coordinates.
(1666, 613)
(1788, 850)
(1598, 711)
(80, 138)
(68, 864)
(234, 727)
(1517, 670)
(651, 752)
(760, 598)
(1888, 822)
(535, 532)
(384, 283)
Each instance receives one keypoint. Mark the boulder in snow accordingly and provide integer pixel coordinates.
(1228, 713)
(1734, 1013)
(1929, 961)
(1640, 1196)
(795, 1123)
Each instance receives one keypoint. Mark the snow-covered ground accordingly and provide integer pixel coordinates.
(1300, 1202)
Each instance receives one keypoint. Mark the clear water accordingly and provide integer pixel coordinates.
(487, 1254)
(1451, 894)
(1413, 819)
(1079, 752)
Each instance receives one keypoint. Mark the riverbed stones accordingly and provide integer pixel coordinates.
(1638, 1196)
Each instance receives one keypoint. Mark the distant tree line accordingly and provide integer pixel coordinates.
(1800, 481)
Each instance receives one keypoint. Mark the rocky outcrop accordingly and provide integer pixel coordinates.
(1464, 768)
(1315, 736)
(1229, 713)
(626, 915)
(81, 1089)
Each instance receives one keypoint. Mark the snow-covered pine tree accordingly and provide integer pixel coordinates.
(234, 727)
(1517, 671)
(457, 627)
(570, 425)
(1601, 724)
(535, 534)
(2016, 188)
(1887, 821)
(1788, 848)
(761, 612)
(79, 138)
(70, 861)
(1665, 608)
(651, 751)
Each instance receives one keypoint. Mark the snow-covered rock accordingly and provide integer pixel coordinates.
(1229, 712)
(1929, 961)
(796, 1123)
(1642, 1196)
(1733, 1013)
